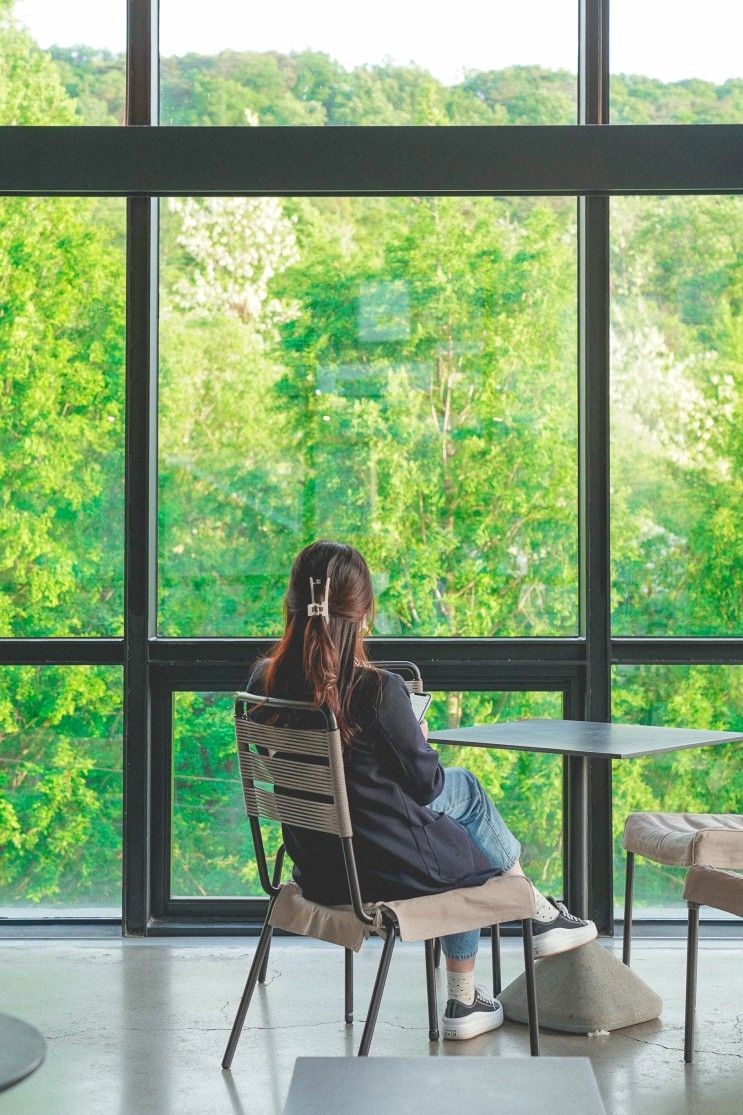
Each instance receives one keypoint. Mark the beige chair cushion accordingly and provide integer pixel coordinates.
(684, 839)
(503, 898)
(710, 887)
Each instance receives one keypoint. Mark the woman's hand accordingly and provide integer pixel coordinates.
(424, 728)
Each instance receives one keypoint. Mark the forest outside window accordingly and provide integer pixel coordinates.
(300, 64)
(396, 372)
(60, 790)
(62, 339)
(676, 62)
(677, 376)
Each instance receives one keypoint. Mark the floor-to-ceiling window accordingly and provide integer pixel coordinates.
(420, 343)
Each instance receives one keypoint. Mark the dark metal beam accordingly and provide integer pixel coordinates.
(677, 652)
(61, 652)
(428, 653)
(559, 656)
(139, 550)
(140, 476)
(143, 62)
(593, 61)
(588, 793)
(446, 160)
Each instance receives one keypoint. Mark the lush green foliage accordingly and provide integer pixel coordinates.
(396, 372)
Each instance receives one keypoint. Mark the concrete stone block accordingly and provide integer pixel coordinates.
(584, 990)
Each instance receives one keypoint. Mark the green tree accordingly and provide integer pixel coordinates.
(61, 441)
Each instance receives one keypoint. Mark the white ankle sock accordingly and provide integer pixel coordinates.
(461, 986)
(545, 910)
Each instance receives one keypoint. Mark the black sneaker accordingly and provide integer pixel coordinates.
(563, 933)
(461, 1022)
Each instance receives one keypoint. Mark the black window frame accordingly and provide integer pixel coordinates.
(591, 160)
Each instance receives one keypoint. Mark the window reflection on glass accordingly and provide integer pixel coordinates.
(60, 790)
(699, 780)
(398, 373)
(677, 389)
(212, 853)
(674, 62)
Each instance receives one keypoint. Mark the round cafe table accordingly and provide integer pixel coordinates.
(22, 1049)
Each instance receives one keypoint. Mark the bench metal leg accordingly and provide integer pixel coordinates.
(628, 885)
(692, 949)
(260, 953)
(531, 990)
(349, 984)
(433, 1011)
(437, 954)
(376, 999)
(495, 952)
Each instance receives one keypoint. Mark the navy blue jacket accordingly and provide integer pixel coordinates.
(402, 849)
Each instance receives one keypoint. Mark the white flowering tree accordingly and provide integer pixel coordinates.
(233, 248)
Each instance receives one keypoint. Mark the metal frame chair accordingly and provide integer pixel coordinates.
(409, 672)
(413, 679)
(277, 756)
(722, 890)
(718, 859)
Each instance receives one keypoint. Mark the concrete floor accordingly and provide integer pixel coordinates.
(138, 1027)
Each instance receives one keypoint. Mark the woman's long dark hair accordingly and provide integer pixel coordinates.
(328, 653)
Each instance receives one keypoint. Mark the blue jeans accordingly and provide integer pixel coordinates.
(465, 801)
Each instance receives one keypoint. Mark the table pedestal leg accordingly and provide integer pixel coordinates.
(575, 833)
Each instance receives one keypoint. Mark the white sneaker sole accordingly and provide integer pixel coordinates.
(460, 1029)
(555, 941)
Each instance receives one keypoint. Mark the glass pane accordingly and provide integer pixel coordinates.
(60, 790)
(399, 373)
(700, 780)
(65, 63)
(526, 788)
(676, 62)
(297, 63)
(62, 335)
(677, 389)
(212, 852)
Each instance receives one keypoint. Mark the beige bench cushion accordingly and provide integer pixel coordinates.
(503, 898)
(683, 839)
(710, 887)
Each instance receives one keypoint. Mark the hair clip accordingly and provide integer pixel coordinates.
(314, 609)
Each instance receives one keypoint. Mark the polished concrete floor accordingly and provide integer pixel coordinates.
(138, 1027)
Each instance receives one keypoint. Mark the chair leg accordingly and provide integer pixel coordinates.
(437, 954)
(433, 1010)
(376, 999)
(628, 885)
(495, 951)
(349, 984)
(531, 990)
(264, 966)
(260, 953)
(692, 950)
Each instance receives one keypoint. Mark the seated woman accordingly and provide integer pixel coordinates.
(418, 828)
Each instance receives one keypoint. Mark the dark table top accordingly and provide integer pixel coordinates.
(582, 737)
(22, 1050)
(420, 1085)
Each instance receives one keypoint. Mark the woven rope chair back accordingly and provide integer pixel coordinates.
(291, 774)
